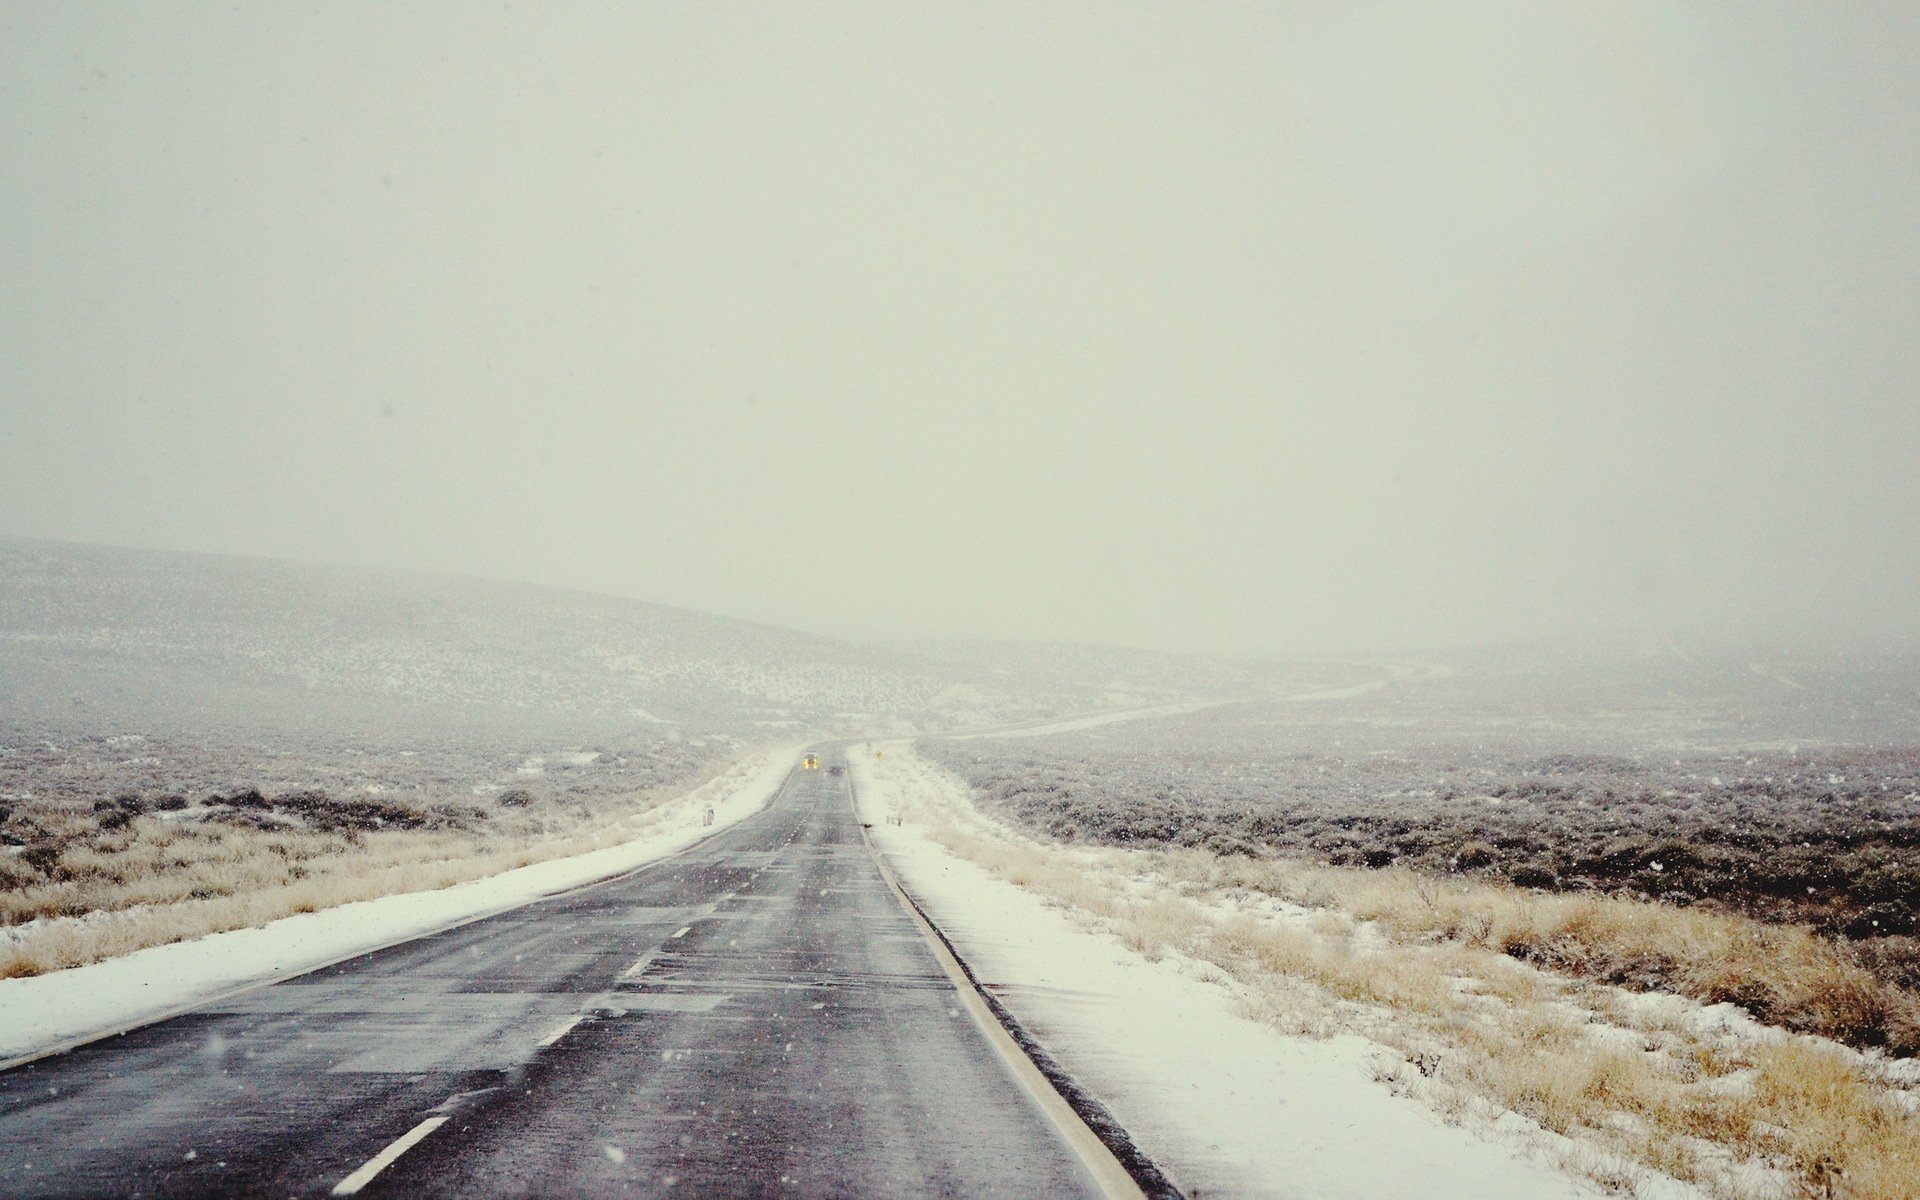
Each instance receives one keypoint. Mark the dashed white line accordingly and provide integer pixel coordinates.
(562, 1029)
(639, 966)
(384, 1159)
(684, 932)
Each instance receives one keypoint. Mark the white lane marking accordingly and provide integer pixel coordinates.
(684, 932)
(639, 966)
(562, 1029)
(384, 1159)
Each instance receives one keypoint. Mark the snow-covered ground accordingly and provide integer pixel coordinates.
(186, 645)
(1224, 1104)
(63, 1008)
(1092, 722)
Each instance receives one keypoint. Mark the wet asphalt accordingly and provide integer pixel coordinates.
(756, 1017)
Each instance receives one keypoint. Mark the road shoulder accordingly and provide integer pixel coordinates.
(1223, 1104)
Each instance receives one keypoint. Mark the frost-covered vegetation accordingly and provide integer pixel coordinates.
(1611, 1081)
(1781, 802)
(107, 844)
(1830, 839)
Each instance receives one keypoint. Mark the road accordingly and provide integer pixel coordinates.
(758, 1016)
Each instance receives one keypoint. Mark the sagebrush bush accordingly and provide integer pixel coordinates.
(1830, 841)
(165, 867)
(1431, 966)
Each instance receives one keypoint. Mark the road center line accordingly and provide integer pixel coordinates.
(639, 966)
(562, 1029)
(384, 1159)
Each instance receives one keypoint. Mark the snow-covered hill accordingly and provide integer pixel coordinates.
(115, 640)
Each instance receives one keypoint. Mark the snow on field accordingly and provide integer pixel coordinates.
(63, 1008)
(1223, 1104)
(1092, 722)
(184, 645)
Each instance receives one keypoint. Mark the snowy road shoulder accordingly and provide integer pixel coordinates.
(1223, 1104)
(46, 1013)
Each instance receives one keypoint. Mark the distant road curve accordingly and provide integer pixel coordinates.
(1395, 672)
(1074, 723)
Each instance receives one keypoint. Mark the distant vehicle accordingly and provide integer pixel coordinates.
(835, 769)
(811, 762)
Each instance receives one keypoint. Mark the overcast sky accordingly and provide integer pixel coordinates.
(1228, 327)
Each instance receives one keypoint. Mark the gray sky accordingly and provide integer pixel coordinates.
(1244, 328)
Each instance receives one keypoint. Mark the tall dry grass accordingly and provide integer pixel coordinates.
(1485, 994)
(157, 880)
(1783, 975)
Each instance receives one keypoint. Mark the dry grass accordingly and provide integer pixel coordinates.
(1434, 970)
(156, 880)
(1783, 975)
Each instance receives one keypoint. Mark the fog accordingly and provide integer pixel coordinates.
(1241, 329)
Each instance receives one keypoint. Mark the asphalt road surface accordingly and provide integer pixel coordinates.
(759, 1016)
